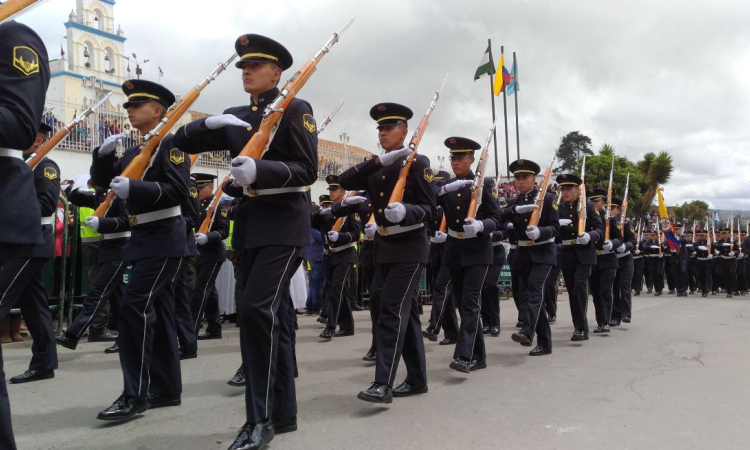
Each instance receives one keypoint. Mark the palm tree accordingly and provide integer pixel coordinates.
(656, 170)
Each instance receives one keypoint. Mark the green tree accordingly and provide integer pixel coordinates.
(696, 210)
(598, 168)
(655, 170)
(572, 148)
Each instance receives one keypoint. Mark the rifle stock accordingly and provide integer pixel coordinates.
(608, 214)
(624, 207)
(12, 8)
(211, 211)
(537, 214)
(478, 186)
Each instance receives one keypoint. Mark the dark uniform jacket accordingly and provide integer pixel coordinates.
(478, 250)
(437, 250)
(291, 161)
(114, 221)
(350, 231)
(571, 255)
(608, 260)
(499, 235)
(213, 250)
(549, 228)
(24, 77)
(629, 240)
(164, 185)
(419, 202)
(366, 256)
(47, 184)
(190, 212)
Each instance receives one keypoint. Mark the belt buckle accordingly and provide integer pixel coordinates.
(383, 231)
(460, 235)
(133, 220)
(251, 192)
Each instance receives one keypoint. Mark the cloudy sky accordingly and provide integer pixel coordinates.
(640, 75)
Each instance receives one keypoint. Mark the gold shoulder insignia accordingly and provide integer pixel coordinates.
(26, 60)
(50, 173)
(193, 192)
(356, 216)
(428, 175)
(554, 206)
(597, 212)
(224, 212)
(176, 156)
(309, 122)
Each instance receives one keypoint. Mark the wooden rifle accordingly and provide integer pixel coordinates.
(739, 236)
(13, 8)
(639, 233)
(708, 238)
(624, 207)
(608, 212)
(731, 233)
(582, 210)
(713, 233)
(537, 214)
(56, 138)
(478, 186)
(694, 222)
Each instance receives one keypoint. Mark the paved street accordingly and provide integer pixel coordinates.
(675, 378)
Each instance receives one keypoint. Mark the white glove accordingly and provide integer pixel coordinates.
(637, 252)
(80, 182)
(725, 244)
(661, 255)
(716, 252)
(731, 254)
(386, 159)
(395, 212)
(325, 212)
(370, 230)
(583, 239)
(702, 247)
(533, 232)
(110, 144)
(92, 222)
(333, 236)
(473, 227)
(440, 237)
(710, 256)
(244, 171)
(621, 248)
(523, 209)
(354, 200)
(454, 186)
(607, 246)
(224, 120)
(509, 226)
(201, 239)
(565, 222)
(121, 187)
(655, 247)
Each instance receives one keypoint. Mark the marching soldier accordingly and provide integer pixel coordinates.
(704, 261)
(147, 338)
(184, 282)
(324, 227)
(550, 289)
(718, 263)
(535, 255)
(578, 254)
(367, 269)
(729, 262)
(401, 252)
(468, 251)
(490, 290)
(638, 267)
(657, 264)
(22, 89)
(692, 262)
(683, 271)
(603, 275)
(622, 291)
(272, 226)
(741, 288)
(648, 260)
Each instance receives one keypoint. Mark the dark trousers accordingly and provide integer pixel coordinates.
(518, 297)
(671, 270)
(693, 275)
(7, 441)
(314, 300)
(705, 275)
(531, 281)
(352, 286)
(108, 281)
(267, 332)
(657, 273)
(149, 356)
(340, 303)
(443, 314)
(622, 291)
(183, 291)
(741, 280)
(395, 288)
(683, 278)
(728, 274)
(550, 292)
(602, 281)
(468, 283)
(491, 297)
(206, 298)
(90, 260)
(648, 271)
(638, 264)
(577, 283)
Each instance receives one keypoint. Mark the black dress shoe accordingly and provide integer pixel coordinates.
(705, 294)
(657, 294)
(322, 319)
(370, 356)
(461, 365)
(326, 334)
(551, 319)
(238, 380)
(114, 349)
(614, 323)
(188, 355)
(649, 291)
(478, 365)
(405, 389)
(495, 331)
(485, 330)
(253, 436)
(104, 335)
(626, 319)
(377, 393)
(602, 329)
(160, 401)
(125, 407)
(448, 341)
(637, 293)
(521, 339)
(207, 336)
(33, 375)
(519, 324)
(67, 341)
(430, 334)
(285, 425)
(729, 295)
(579, 336)
(342, 333)
(356, 307)
(540, 351)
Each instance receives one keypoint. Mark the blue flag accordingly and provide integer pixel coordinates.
(513, 84)
(717, 221)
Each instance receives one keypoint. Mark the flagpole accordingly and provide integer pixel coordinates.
(515, 91)
(505, 117)
(492, 96)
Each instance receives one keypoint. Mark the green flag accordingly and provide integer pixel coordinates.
(486, 66)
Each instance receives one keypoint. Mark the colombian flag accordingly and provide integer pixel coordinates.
(666, 224)
(502, 76)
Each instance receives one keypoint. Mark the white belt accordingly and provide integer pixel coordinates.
(727, 257)
(47, 220)
(603, 252)
(622, 255)
(250, 192)
(702, 259)
(637, 256)
(570, 242)
(10, 153)
(343, 247)
(398, 229)
(497, 243)
(459, 234)
(533, 243)
(153, 216)
(108, 236)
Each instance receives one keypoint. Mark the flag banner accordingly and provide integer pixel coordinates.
(717, 220)
(513, 86)
(62, 52)
(502, 77)
(666, 224)
(161, 74)
(486, 66)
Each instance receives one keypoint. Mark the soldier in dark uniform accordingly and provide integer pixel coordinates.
(367, 269)
(578, 254)
(211, 257)
(603, 275)
(325, 204)
(490, 290)
(648, 260)
(638, 266)
(745, 253)
(271, 229)
(741, 287)
(468, 250)
(622, 290)
(704, 261)
(535, 255)
(692, 262)
(718, 262)
(184, 282)
(518, 299)
(657, 254)
(401, 251)
(550, 289)
(729, 262)
(147, 338)
(683, 260)
(24, 77)
(341, 255)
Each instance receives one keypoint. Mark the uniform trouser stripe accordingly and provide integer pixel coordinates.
(105, 293)
(206, 289)
(341, 294)
(541, 305)
(479, 321)
(10, 285)
(145, 326)
(400, 312)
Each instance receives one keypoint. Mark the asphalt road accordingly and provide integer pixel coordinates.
(675, 378)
